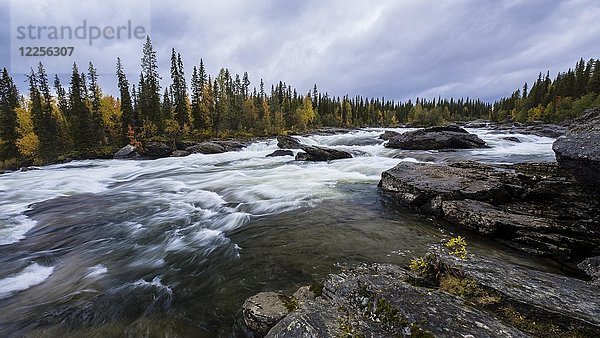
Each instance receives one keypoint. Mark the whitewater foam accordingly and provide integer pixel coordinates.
(32, 275)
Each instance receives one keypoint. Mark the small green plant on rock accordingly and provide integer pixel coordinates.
(458, 247)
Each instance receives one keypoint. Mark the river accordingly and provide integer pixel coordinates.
(174, 246)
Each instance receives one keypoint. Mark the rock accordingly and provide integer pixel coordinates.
(578, 151)
(157, 150)
(475, 124)
(546, 130)
(127, 152)
(180, 153)
(313, 153)
(183, 145)
(376, 301)
(303, 295)
(564, 301)
(281, 152)
(512, 139)
(230, 145)
(537, 208)
(389, 134)
(288, 142)
(262, 311)
(206, 148)
(434, 138)
(591, 266)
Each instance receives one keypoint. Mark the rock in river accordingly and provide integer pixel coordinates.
(281, 152)
(538, 208)
(578, 150)
(435, 138)
(313, 153)
(288, 142)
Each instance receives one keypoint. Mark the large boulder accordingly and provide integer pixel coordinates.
(288, 142)
(206, 148)
(578, 151)
(157, 150)
(127, 152)
(388, 135)
(313, 153)
(262, 311)
(435, 138)
(537, 208)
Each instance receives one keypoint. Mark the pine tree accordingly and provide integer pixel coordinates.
(44, 122)
(9, 101)
(149, 98)
(128, 116)
(83, 124)
(179, 90)
(95, 98)
(593, 85)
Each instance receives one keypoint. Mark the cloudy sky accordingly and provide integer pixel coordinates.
(398, 49)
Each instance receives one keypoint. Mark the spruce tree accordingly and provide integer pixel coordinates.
(95, 97)
(128, 116)
(44, 123)
(149, 100)
(9, 101)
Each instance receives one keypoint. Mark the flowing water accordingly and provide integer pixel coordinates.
(174, 246)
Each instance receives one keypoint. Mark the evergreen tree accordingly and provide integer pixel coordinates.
(44, 122)
(149, 98)
(95, 98)
(179, 90)
(9, 101)
(128, 116)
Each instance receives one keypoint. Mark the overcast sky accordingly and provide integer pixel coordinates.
(397, 49)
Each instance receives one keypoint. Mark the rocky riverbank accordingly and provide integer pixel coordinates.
(548, 209)
(443, 296)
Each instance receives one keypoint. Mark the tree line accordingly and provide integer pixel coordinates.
(553, 100)
(53, 123)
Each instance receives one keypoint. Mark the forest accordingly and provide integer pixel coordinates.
(52, 123)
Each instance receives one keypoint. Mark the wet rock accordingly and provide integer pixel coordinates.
(180, 153)
(230, 145)
(547, 130)
(127, 152)
(512, 139)
(578, 151)
(434, 138)
(313, 153)
(157, 150)
(567, 302)
(262, 311)
(206, 148)
(591, 266)
(183, 145)
(288, 142)
(477, 124)
(538, 208)
(388, 135)
(376, 301)
(281, 152)
(303, 295)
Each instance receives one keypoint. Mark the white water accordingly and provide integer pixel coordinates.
(32, 275)
(194, 202)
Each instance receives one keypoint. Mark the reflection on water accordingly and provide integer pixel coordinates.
(174, 246)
